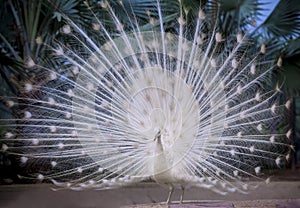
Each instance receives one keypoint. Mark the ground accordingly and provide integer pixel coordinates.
(284, 191)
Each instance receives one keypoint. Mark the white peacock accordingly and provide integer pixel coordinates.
(152, 105)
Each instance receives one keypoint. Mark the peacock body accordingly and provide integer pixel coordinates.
(181, 108)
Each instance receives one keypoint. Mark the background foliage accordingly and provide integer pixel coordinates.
(27, 23)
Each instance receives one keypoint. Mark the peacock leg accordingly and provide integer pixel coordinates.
(182, 193)
(171, 189)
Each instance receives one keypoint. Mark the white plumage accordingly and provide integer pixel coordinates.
(180, 109)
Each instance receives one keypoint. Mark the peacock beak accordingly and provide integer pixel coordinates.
(158, 136)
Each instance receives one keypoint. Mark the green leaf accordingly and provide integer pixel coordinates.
(283, 22)
(292, 47)
(236, 15)
(142, 9)
(291, 72)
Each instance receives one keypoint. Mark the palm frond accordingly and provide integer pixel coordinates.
(236, 15)
(292, 47)
(283, 22)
